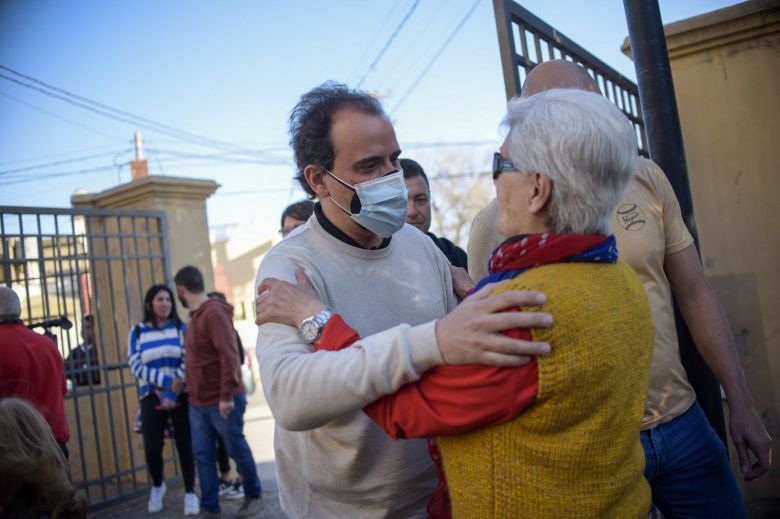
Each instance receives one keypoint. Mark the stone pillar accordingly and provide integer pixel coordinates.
(183, 200)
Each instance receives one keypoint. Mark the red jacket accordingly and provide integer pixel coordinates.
(31, 368)
(212, 368)
(447, 399)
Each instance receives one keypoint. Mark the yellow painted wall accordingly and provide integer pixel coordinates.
(726, 70)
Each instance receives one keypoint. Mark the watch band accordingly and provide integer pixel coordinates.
(310, 329)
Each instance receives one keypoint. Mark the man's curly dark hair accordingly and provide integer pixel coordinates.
(311, 121)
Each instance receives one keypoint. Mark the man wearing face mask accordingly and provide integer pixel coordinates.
(394, 287)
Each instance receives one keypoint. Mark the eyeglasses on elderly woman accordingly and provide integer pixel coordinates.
(500, 164)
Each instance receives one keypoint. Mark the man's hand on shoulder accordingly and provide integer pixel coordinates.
(471, 333)
(278, 301)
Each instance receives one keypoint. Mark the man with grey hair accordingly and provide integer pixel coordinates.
(687, 465)
(31, 367)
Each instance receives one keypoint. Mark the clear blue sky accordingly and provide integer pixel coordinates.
(232, 70)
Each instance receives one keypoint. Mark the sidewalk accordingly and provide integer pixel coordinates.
(259, 432)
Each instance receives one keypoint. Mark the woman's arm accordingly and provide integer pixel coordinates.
(447, 399)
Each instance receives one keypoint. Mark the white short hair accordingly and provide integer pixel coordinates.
(585, 144)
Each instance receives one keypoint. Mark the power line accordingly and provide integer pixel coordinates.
(52, 155)
(60, 162)
(36, 178)
(416, 47)
(252, 191)
(56, 116)
(436, 56)
(115, 113)
(383, 23)
(220, 157)
(389, 41)
(448, 176)
(447, 144)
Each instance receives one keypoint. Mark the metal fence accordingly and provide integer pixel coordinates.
(525, 41)
(66, 264)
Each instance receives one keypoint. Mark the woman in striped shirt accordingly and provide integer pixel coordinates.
(156, 357)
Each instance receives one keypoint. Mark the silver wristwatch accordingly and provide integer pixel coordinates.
(311, 328)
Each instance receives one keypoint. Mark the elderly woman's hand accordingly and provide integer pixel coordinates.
(281, 302)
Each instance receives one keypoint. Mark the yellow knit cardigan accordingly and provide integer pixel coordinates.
(576, 451)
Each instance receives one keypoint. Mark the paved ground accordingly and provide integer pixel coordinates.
(259, 431)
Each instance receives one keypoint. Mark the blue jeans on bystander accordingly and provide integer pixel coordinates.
(687, 468)
(206, 424)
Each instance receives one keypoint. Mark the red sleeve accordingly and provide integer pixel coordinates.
(456, 399)
(336, 335)
(447, 399)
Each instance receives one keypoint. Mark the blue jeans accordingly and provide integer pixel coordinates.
(687, 468)
(206, 424)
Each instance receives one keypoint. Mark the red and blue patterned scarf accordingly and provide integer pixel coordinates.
(520, 253)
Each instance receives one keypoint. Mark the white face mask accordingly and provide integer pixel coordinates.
(383, 203)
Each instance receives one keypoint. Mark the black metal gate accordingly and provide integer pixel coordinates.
(525, 41)
(67, 265)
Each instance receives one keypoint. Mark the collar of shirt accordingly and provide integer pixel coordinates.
(337, 233)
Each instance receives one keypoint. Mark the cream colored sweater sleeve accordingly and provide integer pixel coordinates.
(307, 389)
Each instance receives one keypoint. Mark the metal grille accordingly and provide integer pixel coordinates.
(65, 264)
(525, 41)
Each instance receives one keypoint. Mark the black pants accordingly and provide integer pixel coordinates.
(153, 431)
(222, 457)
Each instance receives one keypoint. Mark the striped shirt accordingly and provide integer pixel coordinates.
(156, 357)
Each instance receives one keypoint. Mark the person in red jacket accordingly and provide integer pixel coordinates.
(32, 368)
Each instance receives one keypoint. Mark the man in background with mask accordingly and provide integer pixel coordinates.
(394, 287)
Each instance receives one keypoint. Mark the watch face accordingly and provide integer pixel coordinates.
(309, 330)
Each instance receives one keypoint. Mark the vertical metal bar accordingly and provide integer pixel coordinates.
(121, 372)
(150, 248)
(7, 266)
(119, 351)
(659, 107)
(75, 396)
(93, 261)
(523, 45)
(59, 282)
(538, 46)
(166, 250)
(42, 270)
(506, 46)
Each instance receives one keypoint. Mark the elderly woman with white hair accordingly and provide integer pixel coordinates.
(558, 436)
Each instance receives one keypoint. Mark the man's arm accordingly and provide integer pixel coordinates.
(223, 338)
(712, 335)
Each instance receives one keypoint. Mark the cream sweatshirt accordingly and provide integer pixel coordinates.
(331, 459)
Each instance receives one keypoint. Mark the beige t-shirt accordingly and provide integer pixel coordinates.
(648, 226)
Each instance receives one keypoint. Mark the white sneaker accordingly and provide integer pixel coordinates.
(191, 504)
(236, 491)
(156, 498)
